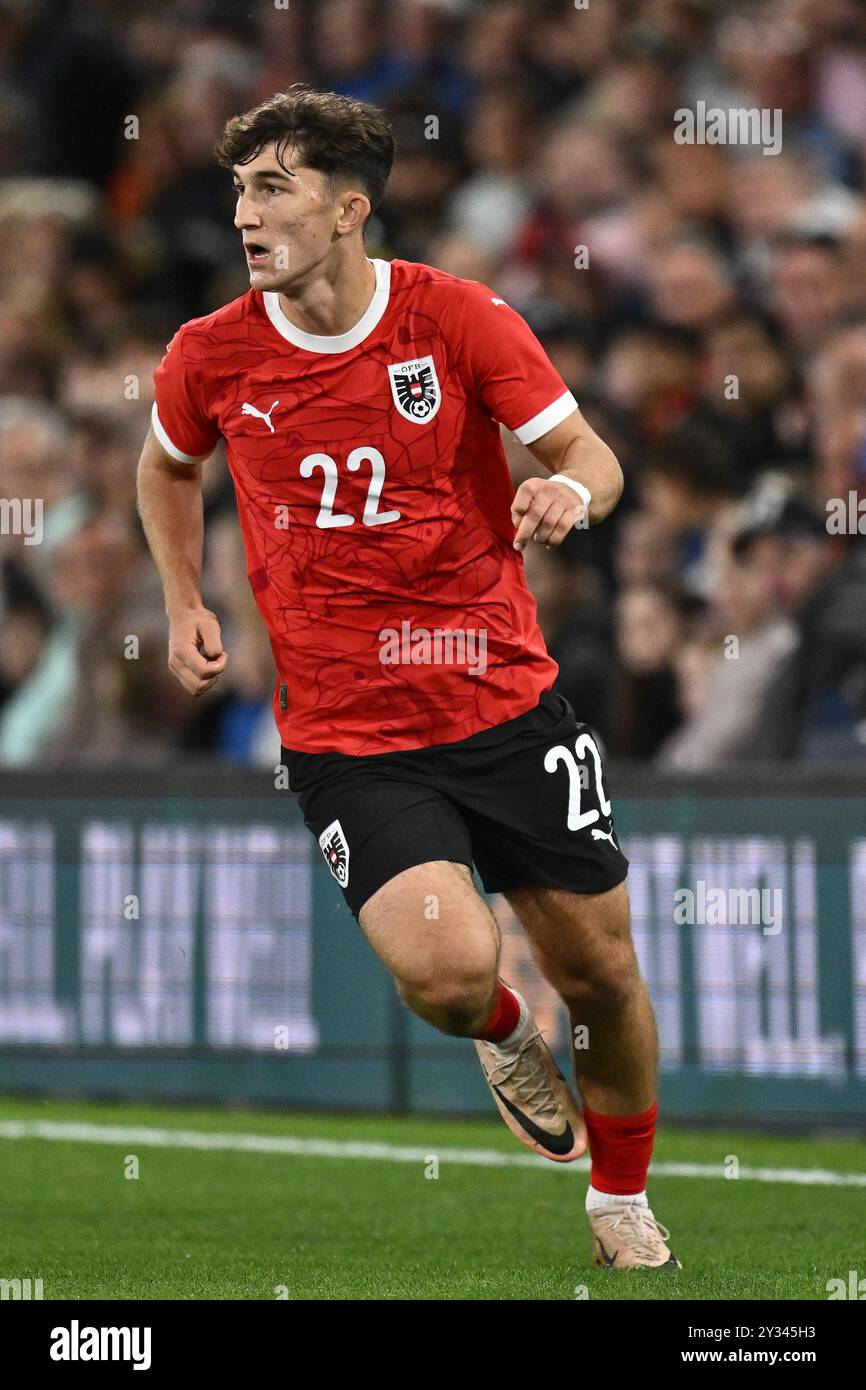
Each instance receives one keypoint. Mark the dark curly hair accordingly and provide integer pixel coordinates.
(342, 138)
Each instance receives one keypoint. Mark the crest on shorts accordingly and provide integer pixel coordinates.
(332, 843)
(415, 388)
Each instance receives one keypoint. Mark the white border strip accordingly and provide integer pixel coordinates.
(159, 431)
(147, 1137)
(342, 342)
(547, 419)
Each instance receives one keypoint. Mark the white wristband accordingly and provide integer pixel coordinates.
(582, 492)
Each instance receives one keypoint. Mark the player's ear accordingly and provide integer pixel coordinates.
(353, 209)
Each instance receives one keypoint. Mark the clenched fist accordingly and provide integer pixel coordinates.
(545, 511)
(195, 650)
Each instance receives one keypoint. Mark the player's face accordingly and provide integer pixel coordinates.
(286, 216)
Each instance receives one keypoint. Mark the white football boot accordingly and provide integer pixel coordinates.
(531, 1092)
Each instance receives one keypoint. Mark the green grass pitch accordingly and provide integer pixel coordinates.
(229, 1224)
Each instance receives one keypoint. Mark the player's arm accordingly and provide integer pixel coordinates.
(546, 509)
(170, 506)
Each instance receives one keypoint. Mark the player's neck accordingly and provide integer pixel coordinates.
(334, 300)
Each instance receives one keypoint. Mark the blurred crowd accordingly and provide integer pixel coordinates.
(705, 302)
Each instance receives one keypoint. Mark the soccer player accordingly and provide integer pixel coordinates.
(360, 402)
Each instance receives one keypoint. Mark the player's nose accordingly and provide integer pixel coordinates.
(246, 215)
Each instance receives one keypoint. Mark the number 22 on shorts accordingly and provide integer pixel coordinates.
(583, 744)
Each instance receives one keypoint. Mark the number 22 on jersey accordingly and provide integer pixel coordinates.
(327, 516)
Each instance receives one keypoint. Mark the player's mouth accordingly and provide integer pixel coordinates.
(256, 253)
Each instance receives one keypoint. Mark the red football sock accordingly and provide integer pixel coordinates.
(621, 1148)
(505, 1016)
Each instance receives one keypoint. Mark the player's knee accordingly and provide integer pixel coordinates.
(457, 1002)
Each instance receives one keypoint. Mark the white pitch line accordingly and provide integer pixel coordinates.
(74, 1133)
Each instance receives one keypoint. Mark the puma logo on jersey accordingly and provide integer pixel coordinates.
(247, 409)
(605, 835)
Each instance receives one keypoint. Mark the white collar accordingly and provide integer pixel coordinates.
(312, 342)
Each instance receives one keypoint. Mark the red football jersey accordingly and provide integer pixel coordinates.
(375, 502)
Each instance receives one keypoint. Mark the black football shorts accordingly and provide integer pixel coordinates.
(524, 801)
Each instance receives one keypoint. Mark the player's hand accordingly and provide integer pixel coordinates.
(545, 511)
(195, 649)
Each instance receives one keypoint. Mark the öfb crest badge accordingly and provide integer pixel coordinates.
(415, 388)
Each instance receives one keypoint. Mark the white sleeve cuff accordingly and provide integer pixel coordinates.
(547, 419)
(166, 443)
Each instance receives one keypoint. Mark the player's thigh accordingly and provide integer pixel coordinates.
(580, 940)
(434, 932)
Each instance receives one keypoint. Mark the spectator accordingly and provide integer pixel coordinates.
(727, 692)
(650, 629)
